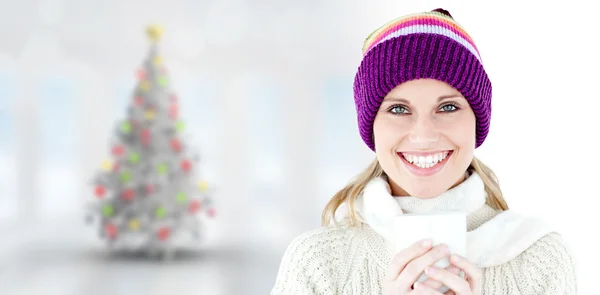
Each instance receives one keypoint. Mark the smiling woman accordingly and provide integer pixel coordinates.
(423, 103)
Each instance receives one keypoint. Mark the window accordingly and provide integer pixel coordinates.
(8, 173)
(60, 132)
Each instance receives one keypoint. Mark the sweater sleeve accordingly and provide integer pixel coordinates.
(309, 265)
(546, 268)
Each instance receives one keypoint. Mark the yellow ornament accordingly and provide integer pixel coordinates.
(106, 165)
(134, 224)
(154, 32)
(157, 61)
(145, 85)
(150, 114)
(203, 186)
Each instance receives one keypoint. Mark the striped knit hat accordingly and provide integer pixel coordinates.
(417, 46)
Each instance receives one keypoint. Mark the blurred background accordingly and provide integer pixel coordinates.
(265, 89)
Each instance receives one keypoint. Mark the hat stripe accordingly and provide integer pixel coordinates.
(421, 23)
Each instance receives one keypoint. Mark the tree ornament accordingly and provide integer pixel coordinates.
(145, 86)
(126, 127)
(162, 81)
(141, 74)
(175, 145)
(181, 197)
(194, 206)
(162, 168)
(186, 165)
(125, 176)
(99, 191)
(157, 61)
(145, 136)
(160, 212)
(154, 32)
(203, 186)
(111, 230)
(163, 233)
(173, 111)
(128, 194)
(138, 101)
(134, 158)
(212, 212)
(179, 126)
(108, 210)
(106, 165)
(118, 150)
(134, 224)
(150, 189)
(150, 114)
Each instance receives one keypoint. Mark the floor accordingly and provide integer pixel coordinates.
(65, 258)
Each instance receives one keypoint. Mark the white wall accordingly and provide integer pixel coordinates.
(542, 59)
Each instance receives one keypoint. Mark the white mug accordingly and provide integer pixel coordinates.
(449, 228)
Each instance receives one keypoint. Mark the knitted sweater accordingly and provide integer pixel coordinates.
(348, 260)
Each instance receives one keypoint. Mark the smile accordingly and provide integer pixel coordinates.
(425, 164)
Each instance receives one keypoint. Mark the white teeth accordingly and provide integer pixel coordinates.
(425, 161)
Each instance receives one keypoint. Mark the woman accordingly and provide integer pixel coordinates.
(423, 102)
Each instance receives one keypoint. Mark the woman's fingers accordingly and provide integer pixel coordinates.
(455, 283)
(437, 284)
(422, 289)
(415, 268)
(402, 258)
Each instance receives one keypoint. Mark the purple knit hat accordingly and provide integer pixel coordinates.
(418, 46)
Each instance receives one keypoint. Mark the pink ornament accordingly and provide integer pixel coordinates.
(164, 233)
(186, 165)
(212, 212)
(128, 194)
(194, 206)
(111, 230)
(99, 191)
(175, 145)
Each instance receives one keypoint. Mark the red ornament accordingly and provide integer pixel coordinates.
(163, 233)
(128, 194)
(175, 145)
(150, 189)
(141, 74)
(173, 111)
(194, 206)
(186, 165)
(100, 190)
(139, 101)
(145, 136)
(111, 230)
(116, 167)
(118, 150)
(212, 212)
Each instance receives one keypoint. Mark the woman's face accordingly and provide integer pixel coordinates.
(424, 138)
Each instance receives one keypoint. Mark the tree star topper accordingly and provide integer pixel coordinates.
(154, 32)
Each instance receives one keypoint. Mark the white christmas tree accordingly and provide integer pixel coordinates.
(148, 195)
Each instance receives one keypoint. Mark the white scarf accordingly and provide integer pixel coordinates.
(496, 242)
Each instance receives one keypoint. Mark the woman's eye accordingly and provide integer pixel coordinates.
(448, 108)
(398, 110)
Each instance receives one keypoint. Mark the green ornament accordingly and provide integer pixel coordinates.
(134, 158)
(108, 210)
(126, 127)
(162, 168)
(160, 212)
(125, 176)
(179, 126)
(181, 197)
(162, 81)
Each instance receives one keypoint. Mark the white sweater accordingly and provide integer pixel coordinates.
(353, 260)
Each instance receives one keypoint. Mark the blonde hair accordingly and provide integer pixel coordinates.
(352, 190)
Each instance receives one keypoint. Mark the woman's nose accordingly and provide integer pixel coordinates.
(424, 134)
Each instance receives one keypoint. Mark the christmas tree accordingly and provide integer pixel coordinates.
(147, 195)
